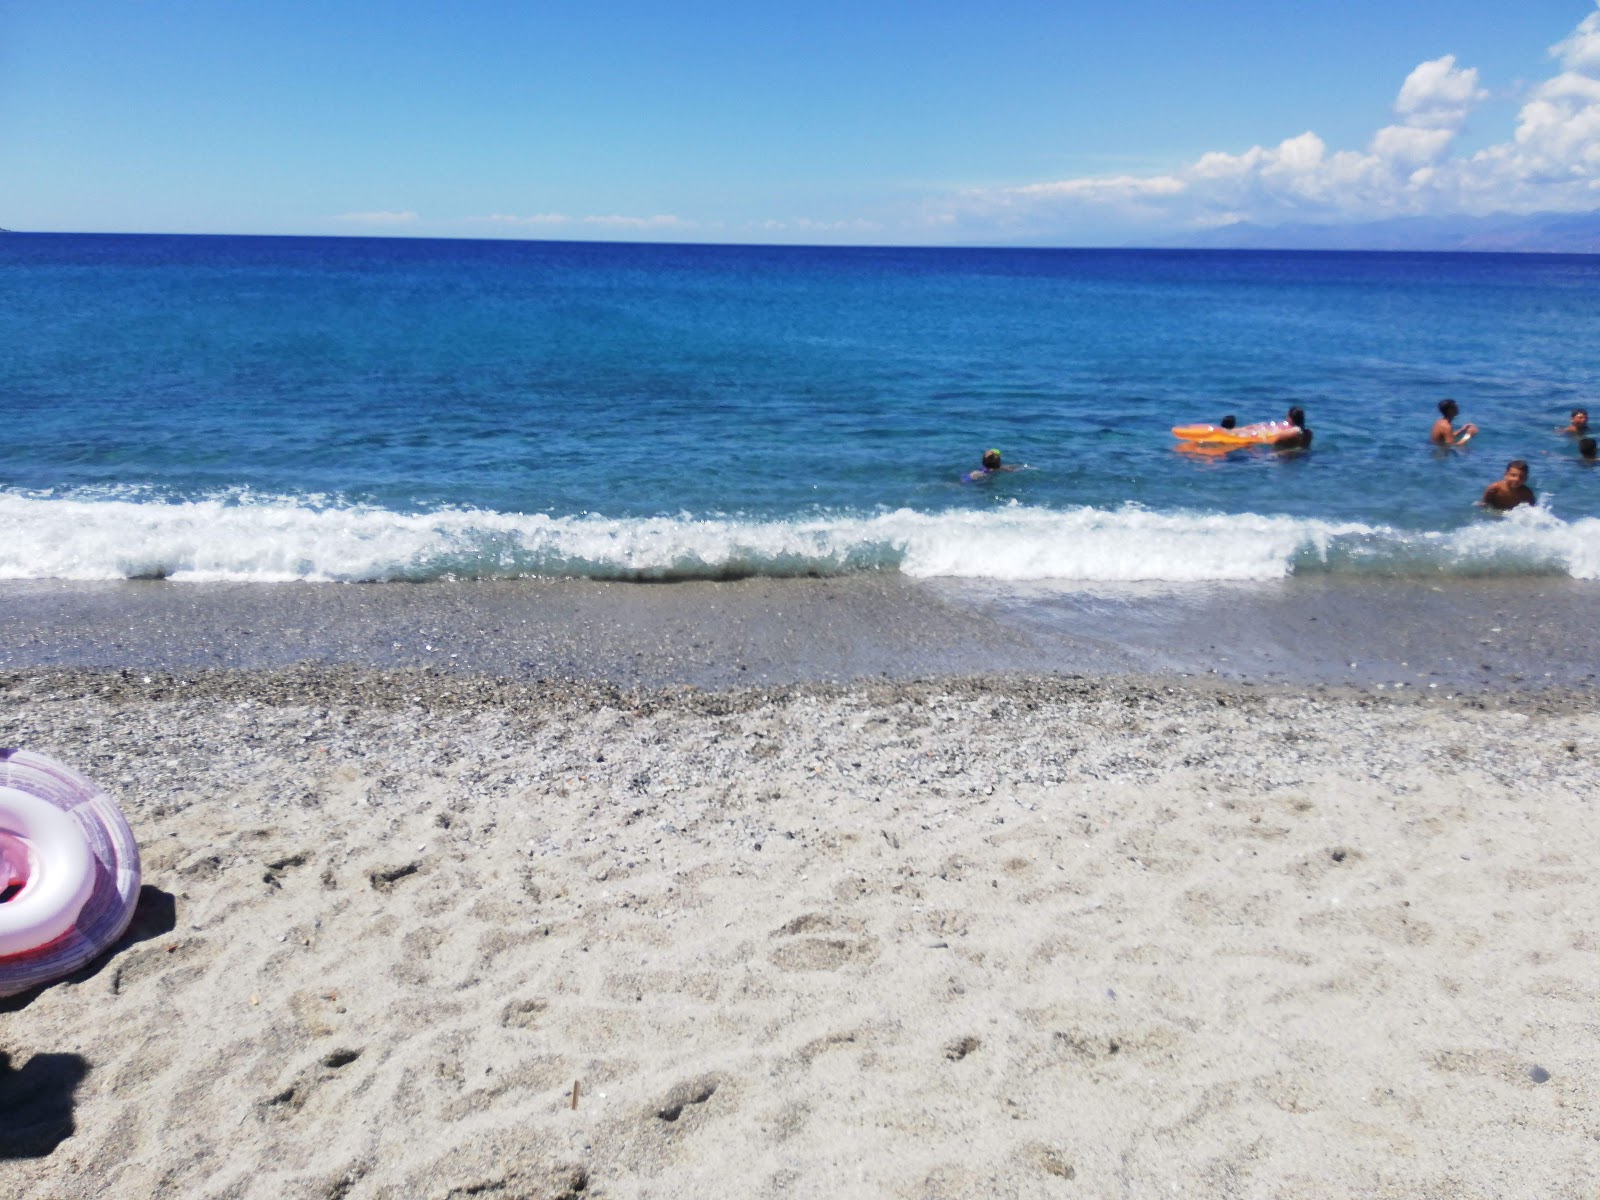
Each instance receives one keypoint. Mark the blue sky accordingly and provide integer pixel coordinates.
(892, 123)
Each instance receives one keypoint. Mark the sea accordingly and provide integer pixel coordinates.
(270, 409)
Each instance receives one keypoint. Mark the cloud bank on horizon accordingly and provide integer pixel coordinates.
(1550, 164)
(556, 221)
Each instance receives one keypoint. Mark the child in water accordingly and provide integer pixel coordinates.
(1444, 432)
(1505, 494)
(991, 466)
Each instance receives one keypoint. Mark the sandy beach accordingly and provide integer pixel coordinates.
(859, 603)
(408, 933)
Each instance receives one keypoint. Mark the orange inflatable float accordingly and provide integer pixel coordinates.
(1262, 433)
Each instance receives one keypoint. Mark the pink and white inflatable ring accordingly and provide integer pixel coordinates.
(69, 871)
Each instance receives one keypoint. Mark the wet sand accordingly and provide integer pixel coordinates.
(1488, 633)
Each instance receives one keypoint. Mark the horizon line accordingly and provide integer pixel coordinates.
(1175, 247)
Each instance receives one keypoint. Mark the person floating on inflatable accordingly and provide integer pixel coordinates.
(1444, 432)
(991, 466)
(1505, 494)
(1296, 438)
(1229, 435)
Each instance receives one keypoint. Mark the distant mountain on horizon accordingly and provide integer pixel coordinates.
(1539, 233)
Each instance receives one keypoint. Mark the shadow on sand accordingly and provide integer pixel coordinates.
(155, 913)
(36, 1099)
(36, 1103)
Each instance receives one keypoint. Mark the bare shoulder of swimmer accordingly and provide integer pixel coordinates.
(1501, 497)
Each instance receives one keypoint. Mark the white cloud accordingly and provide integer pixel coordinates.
(555, 220)
(1550, 163)
(1406, 144)
(1438, 94)
(378, 218)
(813, 225)
(1116, 187)
(1580, 49)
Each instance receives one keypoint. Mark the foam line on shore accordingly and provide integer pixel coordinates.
(269, 539)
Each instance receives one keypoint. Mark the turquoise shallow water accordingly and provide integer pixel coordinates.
(273, 408)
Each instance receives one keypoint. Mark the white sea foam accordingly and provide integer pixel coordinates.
(270, 539)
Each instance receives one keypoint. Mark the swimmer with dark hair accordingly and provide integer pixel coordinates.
(1228, 422)
(991, 466)
(1299, 438)
(1505, 494)
(1444, 431)
(1579, 425)
(1588, 449)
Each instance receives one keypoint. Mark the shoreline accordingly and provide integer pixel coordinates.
(995, 935)
(1419, 633)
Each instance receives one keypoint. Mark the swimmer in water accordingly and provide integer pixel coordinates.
(1297, 439)
(991, 466)
(1579, 426)
(1507, 493)
(1444, 432)
(1228, 422)
(1588, 451)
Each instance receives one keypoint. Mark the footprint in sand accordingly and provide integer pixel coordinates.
(523, 1014)
(684, 1095)
(293, 1098)
(959, 1048)
(822, 953)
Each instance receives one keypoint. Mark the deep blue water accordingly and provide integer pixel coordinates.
(387, 408)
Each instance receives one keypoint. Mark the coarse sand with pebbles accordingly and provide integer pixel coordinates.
(405, 935)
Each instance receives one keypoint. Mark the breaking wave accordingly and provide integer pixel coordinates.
(273, 539)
